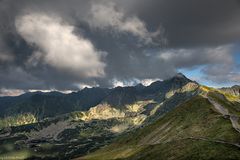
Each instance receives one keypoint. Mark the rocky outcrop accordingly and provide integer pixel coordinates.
(102, 111)
(234, 90)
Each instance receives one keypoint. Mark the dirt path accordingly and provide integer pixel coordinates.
(215, 141)
(233, 118)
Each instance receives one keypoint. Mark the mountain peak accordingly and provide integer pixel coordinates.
(180, 75)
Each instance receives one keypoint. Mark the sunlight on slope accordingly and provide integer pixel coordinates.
(18, 120)
(184, 126)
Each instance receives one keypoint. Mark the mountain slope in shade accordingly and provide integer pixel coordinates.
(121, 96)
(51, 104)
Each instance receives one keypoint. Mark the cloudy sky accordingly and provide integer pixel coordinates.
(67, 45)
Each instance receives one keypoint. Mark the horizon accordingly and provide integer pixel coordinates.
(13, 94)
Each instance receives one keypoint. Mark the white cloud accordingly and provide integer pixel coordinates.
(50, 90)
(58, 46)
(147, 82)
(117, 83)
(133, 82)
(10, 92)
(106, 16)
(84, 85)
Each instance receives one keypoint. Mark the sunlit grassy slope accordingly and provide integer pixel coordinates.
(193, 130)
(18, 120)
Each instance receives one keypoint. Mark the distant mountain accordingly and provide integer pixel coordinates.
(53, 103)
(234, 90)
(121, 96)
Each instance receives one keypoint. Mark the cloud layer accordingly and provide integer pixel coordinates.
(54, 44)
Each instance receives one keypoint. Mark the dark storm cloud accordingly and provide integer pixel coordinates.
(135, 39)
(191, 23)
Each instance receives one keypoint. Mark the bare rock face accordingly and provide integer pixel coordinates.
(102, 111)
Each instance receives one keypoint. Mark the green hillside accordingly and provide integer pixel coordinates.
(193, 130)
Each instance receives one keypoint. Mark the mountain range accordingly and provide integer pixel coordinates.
(176, 118)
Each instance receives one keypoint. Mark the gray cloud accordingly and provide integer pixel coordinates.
(222, 73)
(114, 41)
(190, 23)
(184, 58)
(105, 16)
(217, 63)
